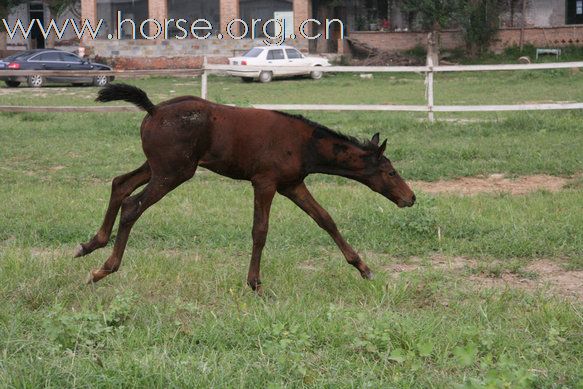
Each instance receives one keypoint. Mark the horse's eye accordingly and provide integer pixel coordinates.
(392, 173)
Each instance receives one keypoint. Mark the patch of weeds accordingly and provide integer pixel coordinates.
(420, 220)
(522, 273)
(490, 270)
(393, 343)
(87, 330)
(501, 373)
(574, 264)
(576, 183)
(287, 344)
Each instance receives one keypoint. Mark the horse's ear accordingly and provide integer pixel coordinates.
(375, 139)
(381, 149)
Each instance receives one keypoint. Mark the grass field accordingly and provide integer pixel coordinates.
(178, 313)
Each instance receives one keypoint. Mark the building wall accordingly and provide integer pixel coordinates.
(545, 13)
(507, 37)
(403, 41)
(187, 52)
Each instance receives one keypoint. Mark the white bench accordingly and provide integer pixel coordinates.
(556, 52)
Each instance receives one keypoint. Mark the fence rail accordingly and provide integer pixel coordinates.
(429, 70)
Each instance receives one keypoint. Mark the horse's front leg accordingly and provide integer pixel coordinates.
(263, 196)
(302, 197)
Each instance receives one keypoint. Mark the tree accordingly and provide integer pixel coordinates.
(479, 21)
(433, 14)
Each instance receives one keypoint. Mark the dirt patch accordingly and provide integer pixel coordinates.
(569, 283)
(547, 274)
(495, 183)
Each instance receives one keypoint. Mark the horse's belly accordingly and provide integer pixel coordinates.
(224, 170)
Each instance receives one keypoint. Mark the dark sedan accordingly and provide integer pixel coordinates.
(50, 59)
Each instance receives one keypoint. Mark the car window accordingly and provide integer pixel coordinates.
(293, 53)
(68, 57)
(253, 53)
(51, 56)
(17, 56)
(275, 54)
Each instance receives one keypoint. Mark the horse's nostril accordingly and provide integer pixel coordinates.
(413, 198)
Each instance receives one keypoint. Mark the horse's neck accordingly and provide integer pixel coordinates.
(336, 157)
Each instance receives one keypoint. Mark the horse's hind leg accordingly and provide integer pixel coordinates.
(132, 208)
(121, 187)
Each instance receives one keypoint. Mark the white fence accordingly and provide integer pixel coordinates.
(430, 108)
(429, 71)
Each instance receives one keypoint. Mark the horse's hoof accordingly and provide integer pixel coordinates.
(79, 251)
(368, 275)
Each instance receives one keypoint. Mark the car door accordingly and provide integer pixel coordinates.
(296, 59)
(276, 57)
(48, 60)
(74, 63)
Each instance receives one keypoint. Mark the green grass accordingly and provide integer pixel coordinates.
(178, 313)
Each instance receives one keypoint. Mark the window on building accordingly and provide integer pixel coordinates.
(191, 11)
(574, 12)
(134, 10)
(264, 10)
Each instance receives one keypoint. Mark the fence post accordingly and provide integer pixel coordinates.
(204, 79)
(429, 81)
(429, 78)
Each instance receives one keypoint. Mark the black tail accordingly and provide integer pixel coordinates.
(128, 93)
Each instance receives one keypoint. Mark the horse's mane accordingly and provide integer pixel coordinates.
(323, 130)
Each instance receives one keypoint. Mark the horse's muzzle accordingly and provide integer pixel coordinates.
(406, 203)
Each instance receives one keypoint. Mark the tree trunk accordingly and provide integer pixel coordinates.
(433, 44)
(522, 25)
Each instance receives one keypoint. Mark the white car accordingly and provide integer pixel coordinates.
(274, 56)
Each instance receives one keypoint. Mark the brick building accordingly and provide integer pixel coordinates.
(547, 23)
(189, 46)
(380, 23)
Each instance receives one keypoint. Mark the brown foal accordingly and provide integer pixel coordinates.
(273, 150)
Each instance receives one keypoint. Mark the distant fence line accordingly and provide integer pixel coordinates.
(207, 69)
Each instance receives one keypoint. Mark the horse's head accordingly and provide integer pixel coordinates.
(380, 175)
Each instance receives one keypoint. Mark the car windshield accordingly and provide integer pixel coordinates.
(253, 53)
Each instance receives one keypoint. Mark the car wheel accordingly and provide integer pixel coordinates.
(265, 76)
(12, 84)
(316, 74)
(35, 81)
(247, 79)
(100, 81)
